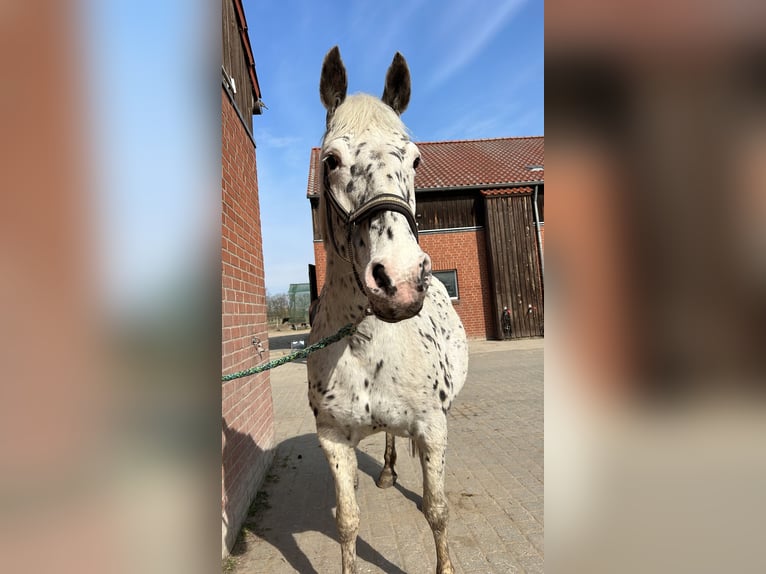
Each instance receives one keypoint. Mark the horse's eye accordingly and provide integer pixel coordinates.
(331, 162)
(416, 163)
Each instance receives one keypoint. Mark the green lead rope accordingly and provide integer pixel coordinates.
(345, 331)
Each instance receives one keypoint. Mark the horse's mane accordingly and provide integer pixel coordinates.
(363, 112)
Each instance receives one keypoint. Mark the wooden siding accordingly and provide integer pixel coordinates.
(315, 218)
(235, 63)
(514, 264)
(433, 213)
(453, 211)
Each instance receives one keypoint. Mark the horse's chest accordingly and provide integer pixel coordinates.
(368, 392)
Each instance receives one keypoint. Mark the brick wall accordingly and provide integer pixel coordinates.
(247, 413)
(467, 253)
(464, 251)
(320, 261)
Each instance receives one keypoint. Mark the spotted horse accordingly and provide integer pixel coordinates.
(407, 361)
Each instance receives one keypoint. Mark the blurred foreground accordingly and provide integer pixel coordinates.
(656, 129)
(110, 282)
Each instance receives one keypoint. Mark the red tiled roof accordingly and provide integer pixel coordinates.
(480, 162)
(468, 163)
(314, 179)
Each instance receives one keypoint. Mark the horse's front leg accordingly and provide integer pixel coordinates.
(432, 459)
(388, 475)
(342, 458)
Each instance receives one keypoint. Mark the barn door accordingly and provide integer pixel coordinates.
(515, 266)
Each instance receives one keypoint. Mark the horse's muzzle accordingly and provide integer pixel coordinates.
(391, 314)
(396, 294)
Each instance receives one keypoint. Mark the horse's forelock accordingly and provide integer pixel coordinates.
(361, 112)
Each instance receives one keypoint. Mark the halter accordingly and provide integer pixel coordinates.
(382, 202)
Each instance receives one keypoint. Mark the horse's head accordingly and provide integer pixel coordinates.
(368, 191)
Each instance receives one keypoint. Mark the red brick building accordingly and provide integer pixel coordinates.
(246, 410)
(480, 215)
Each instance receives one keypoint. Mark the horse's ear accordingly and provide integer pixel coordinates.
(397, 91)
(333, 83)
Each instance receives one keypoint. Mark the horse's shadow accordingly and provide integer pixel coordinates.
(298, 496)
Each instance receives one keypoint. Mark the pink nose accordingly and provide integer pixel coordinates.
(397, 291)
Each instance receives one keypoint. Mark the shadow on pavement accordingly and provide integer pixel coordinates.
(298, 497)
(372, 468)
(280, 507)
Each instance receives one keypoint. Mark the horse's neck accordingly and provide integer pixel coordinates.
(342, 299)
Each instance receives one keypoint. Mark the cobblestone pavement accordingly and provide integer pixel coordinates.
(494, 482)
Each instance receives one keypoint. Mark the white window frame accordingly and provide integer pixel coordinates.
(454, 273)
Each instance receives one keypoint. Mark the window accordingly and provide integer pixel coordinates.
(449, 278)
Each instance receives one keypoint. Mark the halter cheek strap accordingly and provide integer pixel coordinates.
(382, 202)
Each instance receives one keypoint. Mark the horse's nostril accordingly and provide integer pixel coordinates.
(382, 280)
(379, 274)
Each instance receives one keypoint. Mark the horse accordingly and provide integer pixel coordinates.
(408, 358)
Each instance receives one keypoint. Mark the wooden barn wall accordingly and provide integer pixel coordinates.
(440, 211)
(433, 212)
(235, 62)
(514, 264)
(315, 219)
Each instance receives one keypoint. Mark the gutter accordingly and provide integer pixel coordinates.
(476, 187)
(482, 186)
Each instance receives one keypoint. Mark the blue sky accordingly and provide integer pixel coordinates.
(153, 108)
(477, 72)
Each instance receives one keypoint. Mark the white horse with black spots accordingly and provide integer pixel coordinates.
(408, 358)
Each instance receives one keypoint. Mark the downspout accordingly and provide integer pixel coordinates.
(539, 236)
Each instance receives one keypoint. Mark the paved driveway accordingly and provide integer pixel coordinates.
(494, 481)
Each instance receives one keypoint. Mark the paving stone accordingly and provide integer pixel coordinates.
(494, 481)
(502, 562)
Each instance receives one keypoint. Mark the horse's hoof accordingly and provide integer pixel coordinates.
(386, 479)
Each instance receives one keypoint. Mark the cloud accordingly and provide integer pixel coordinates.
(509, 107)
(265, 138)
(469, 30)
